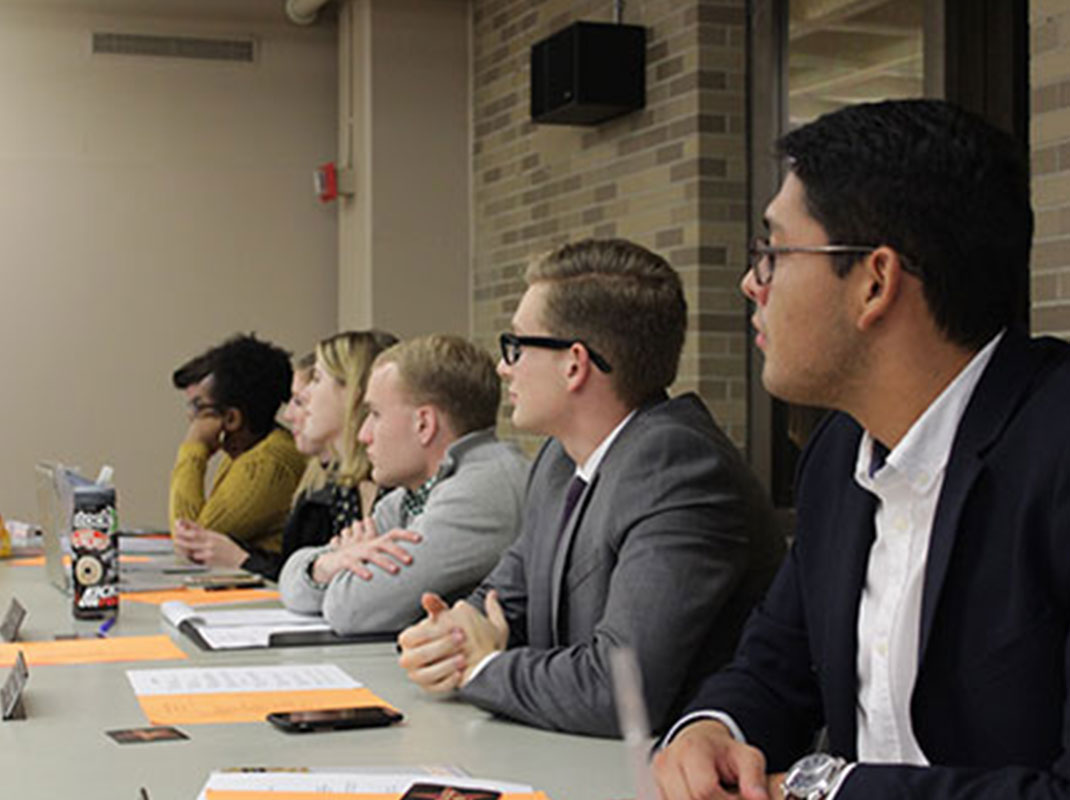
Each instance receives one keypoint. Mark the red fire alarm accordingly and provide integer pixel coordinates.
(326, 179)
(332, 181)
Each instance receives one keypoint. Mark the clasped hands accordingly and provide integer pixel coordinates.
(360, 545)
(440, 652)
(705, 762)
(203, 546)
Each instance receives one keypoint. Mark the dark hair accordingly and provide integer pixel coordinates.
(193, 371)
(945, 189)
(248, 374)
(624, 301)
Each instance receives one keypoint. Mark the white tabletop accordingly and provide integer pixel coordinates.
(61, 751)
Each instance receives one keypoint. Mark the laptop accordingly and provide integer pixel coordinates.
(55, 506)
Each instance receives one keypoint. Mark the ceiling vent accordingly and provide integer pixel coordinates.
(137, 44)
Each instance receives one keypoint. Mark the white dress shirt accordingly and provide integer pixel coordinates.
(907, 485)
(586, 471)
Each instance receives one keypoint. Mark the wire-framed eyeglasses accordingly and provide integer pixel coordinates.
(762, 255)
(513, 345)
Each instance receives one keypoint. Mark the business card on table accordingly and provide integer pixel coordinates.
(155, 733)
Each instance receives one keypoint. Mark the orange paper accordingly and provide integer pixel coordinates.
(238, 794)
(195, 709)
(39, 561)
(201, 597)
(92, 651)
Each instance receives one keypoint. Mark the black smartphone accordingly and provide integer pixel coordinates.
(218, 582)
(334, 719)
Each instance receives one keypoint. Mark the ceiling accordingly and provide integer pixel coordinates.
(850, 51)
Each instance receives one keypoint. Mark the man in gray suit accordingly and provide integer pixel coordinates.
(642, 524)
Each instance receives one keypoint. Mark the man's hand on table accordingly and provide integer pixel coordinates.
(350, 551)
(704, 762)
(440, 652)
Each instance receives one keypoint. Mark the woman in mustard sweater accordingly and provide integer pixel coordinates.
(233, 393)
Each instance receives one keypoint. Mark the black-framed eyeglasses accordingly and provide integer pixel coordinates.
(762, 255)
(513, 345)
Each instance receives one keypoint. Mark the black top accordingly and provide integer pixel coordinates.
(316, 517)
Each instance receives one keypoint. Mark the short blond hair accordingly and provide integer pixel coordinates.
(452, 374)
(622, 300)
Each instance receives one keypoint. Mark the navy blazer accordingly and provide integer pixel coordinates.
(989, 707)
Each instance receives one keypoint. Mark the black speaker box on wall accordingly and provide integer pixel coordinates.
(587, 73)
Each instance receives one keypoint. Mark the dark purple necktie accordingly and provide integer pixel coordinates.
(575, 489)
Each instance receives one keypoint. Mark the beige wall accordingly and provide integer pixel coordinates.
(671, 177)
(1050, 143)
(149, 207)
(404, 130)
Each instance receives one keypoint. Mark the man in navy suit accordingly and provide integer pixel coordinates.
(922, 615)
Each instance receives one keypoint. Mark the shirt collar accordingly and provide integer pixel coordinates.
(414, 500)
(921, 455)
(588, 468)
(455, 452)
(412, 504)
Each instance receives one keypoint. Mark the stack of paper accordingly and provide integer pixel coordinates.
(244, 694)
(230, 630)
(365, 782)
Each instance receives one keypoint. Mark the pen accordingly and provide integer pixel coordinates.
(143, 794)
(106, 626)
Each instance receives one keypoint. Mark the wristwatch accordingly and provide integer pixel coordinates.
(812, 777)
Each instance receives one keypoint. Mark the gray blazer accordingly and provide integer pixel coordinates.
(471, 516)
(669, 548)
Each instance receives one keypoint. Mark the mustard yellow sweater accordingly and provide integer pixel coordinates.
(251, 494)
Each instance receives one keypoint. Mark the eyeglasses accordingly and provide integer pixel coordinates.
(196, 407)
(762, 255)
(513, 345)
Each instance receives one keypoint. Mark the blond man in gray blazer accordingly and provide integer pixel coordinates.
(432, 403)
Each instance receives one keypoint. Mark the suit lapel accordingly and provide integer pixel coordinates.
(540, 600)
(854, 524)
(559, 558)
(994, 401)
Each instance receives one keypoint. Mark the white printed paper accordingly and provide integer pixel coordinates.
(362, 780)
(217, 680)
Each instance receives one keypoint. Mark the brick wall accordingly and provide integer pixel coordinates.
(1050, 144)
(671, 177)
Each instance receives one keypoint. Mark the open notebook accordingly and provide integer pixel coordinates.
(257, 627)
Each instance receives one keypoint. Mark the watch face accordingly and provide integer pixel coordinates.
(808, 774)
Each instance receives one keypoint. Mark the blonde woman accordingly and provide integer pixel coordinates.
(336, 489)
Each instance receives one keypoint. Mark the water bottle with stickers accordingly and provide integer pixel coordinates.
(95, 553)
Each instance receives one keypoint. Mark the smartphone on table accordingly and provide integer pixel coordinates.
(217, 581)
(334, 719)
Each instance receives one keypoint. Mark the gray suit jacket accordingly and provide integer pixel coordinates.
(471, 516)
(669, 548)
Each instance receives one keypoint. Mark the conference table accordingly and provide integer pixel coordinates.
(61, 751)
